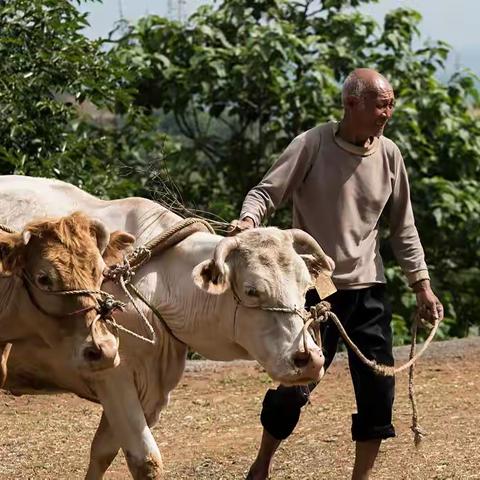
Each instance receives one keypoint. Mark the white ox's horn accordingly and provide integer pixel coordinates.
(305, 243)
(222, 251)
(212, 275)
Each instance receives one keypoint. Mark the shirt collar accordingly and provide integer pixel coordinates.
(350, 147)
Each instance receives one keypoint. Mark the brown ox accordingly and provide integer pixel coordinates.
(37, 266)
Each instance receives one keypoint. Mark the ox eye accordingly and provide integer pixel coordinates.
(44, 281)
(251, 292)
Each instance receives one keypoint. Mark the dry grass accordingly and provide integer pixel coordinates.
(211, 430)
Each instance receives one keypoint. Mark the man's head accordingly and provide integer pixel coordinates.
(368, 101)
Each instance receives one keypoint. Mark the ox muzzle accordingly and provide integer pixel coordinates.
(99, 351)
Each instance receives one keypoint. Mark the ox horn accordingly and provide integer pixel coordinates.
(223, 249)
(305, 243)
(101, 233)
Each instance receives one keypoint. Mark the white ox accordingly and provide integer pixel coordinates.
(195, 285)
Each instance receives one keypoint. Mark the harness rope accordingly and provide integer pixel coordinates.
(123, 273)
(6, 228)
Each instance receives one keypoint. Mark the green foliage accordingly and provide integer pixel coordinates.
(241, 79)
(52, 79)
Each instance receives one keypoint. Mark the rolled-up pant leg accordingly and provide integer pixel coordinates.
(371, 331)
(281, 406)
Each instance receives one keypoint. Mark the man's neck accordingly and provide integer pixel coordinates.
(347, 132)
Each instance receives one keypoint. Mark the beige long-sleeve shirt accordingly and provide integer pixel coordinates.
(339, 192)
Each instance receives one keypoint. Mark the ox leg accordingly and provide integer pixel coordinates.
(4, 354)
(103, 450)
(127, 422)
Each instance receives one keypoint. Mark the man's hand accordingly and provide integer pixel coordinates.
(429, 306)
(237, 226)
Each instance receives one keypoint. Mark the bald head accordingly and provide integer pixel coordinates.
(362, 82)
(368, 103)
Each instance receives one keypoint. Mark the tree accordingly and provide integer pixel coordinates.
(54, 86)
(242, 79)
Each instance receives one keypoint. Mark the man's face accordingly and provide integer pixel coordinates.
(375, 111)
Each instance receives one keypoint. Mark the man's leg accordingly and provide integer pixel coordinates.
(281, 407)
(365, 455)
(260, 469)
(370, 330)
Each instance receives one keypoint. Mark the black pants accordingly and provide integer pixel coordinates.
(366, 316)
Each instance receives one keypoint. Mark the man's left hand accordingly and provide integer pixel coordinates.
(429, 306)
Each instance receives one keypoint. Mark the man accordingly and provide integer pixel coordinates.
(341, 178)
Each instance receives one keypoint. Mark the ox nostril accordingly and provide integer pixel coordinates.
(92, 354)
(301, 359)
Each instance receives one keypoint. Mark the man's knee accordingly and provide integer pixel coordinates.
(281, 410)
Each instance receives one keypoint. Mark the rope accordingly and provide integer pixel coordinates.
(385, 370)
(124, 273)
(418, 432)
(321, 313)
(170, 237)
(390, 371)
(7, 229)
(153, 340)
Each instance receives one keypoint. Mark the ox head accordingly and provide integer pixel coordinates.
(58, 255)
(264, 268)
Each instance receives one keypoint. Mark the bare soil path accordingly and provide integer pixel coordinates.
(211, 428)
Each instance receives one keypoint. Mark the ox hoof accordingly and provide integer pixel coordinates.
(149, 468)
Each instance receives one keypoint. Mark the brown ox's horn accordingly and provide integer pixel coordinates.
(222, 250)
(307, 244)
(101, 233)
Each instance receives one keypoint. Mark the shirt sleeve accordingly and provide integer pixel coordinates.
(405, 240)
(277, 186)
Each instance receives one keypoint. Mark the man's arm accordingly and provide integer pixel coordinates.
(278, 185)
(408, 248)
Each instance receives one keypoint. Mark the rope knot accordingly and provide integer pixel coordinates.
(319, 312)
(121, 270)
(126, 270)
(106, 306)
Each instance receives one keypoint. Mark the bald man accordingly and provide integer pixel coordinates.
(342, 177)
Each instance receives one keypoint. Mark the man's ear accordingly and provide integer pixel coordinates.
(210, 278)
(120, 243)
(12, 251)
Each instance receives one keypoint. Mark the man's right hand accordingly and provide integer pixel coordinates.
(237, 226)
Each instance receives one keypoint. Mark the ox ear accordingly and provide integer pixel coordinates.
(120, 244)
(321, 276)
(210, 278)
(100, 232)
(314, 266)
(11, 252)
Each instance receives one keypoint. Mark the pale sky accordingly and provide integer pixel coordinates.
(455, 21)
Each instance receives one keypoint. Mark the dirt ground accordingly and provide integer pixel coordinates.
(211, 431)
